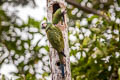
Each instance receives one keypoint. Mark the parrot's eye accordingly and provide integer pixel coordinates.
(44, 25)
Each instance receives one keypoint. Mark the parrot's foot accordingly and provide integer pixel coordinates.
(60, 26)
(64, 61)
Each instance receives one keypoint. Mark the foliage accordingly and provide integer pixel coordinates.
(94, 43)
(19, 46)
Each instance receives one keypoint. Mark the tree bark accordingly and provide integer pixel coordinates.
(54, 59)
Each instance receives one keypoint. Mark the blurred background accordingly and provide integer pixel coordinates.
(94, 41)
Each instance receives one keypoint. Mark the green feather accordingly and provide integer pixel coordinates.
(57, 16)
(55, 37)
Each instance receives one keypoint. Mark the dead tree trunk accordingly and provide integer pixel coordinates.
(52, 6)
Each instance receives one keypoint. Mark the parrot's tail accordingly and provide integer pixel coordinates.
(62, 69)
(63, 53)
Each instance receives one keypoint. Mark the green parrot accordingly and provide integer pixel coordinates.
(58, 16)
(55, 37)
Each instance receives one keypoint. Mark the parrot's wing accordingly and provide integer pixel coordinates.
(56, 39)
(57, 16)
(61, 35)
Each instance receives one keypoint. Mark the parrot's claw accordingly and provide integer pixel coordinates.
(61, 27)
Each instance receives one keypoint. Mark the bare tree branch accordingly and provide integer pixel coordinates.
(87, 9)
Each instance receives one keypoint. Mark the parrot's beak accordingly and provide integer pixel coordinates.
(44, 25)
